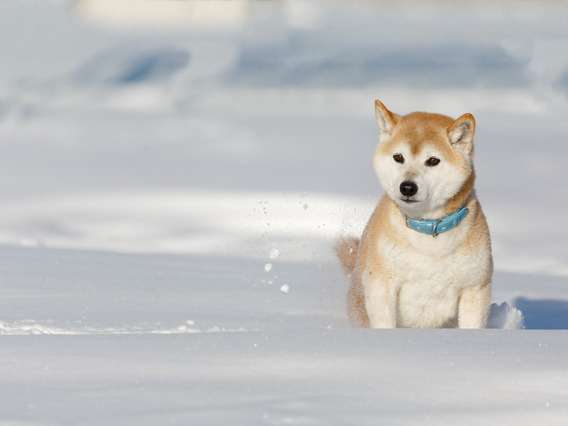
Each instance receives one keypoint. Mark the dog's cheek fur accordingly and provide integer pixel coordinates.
(388, 172)
(444, 182)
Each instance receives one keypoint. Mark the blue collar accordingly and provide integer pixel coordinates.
(437, 226)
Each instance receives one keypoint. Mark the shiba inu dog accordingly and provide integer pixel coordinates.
(424, 259)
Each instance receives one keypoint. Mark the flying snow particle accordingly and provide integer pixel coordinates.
(268, 267)
(274, 253)
(285, 288)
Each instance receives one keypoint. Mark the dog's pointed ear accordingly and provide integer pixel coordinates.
(461, 132)
(387, 120)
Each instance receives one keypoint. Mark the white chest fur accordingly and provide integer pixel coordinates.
(427, 274)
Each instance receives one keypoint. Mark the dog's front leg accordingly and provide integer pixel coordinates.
(474, 307)
(381, 304)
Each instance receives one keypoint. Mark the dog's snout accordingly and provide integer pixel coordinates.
(408, 188)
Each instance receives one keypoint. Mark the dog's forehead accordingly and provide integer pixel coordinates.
(419, 130)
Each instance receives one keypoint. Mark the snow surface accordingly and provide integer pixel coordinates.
(173, 181)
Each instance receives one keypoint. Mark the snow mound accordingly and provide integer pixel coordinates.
(119, 67)
(505, 316)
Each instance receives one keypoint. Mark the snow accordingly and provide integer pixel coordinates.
(502, 315)
(313, 377)
(173, 180)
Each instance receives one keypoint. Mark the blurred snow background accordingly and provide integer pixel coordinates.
(183, 167)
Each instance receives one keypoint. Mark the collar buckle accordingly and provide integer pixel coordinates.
(435, 232)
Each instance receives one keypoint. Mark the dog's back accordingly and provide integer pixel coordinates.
(347, 250)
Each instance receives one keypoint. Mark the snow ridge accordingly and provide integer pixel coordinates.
(31, 327)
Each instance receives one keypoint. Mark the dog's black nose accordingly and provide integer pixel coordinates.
(408, 188)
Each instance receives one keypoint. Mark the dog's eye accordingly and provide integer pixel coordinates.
(398, 158)
(432, 161)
